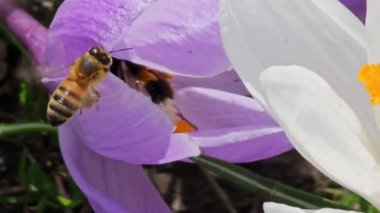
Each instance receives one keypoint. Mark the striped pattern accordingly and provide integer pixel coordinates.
(65, 101)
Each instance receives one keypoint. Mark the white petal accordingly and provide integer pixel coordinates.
(262, 33)
(344, 18)
(314, 34)
(322, 127)
(270, 207)
(373, 29)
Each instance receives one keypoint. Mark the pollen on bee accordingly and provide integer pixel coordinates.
(369, 74)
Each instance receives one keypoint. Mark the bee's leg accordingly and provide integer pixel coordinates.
(97, 95)
(96, 98)
(88, 101)
(91, 99)
(140, 87)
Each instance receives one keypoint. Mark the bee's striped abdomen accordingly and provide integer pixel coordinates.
(64, 102)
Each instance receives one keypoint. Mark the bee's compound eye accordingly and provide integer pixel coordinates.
(93, 51)
(104, 59)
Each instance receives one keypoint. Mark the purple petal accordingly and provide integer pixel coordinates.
(180, 146)
(231, 127)
(212, 109)
(243, 144)
(357, 7)
(103, 21)
(6, 8)
(171, 35)
(30, 32)
(227, 81)
(110, 186)
(80, 24)
(129, 127)
(178, 36)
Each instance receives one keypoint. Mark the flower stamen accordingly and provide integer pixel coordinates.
(369, 74)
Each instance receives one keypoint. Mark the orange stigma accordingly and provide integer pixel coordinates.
(183, 126)
(369, 74)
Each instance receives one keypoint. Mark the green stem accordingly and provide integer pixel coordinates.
(7, 130)
(266, 189)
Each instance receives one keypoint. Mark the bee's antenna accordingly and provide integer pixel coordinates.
(112, 51)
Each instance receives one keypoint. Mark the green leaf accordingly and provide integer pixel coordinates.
(64, 201)
(12, 199)
(33, 100)
(42, 182)
(22, 168)
(7, 130)
(42, 205)
(23, 95)
(42, 100)
(26, 100)
(265, 188)
(77, 196)
(351, 199)
(365, 206)
(345, 197)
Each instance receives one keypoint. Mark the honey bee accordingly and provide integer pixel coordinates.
(154, 84)
(77, 90)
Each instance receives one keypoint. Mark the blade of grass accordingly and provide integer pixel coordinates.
(266, 189)
(7, 130)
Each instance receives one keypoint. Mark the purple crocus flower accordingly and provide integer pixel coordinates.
(357, 7)
(103, 149)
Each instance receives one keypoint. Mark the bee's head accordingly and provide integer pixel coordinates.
(101, 55)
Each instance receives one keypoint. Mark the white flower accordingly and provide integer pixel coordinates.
(301, 60)
(271, 207)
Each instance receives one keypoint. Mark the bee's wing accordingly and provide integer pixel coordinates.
(162, 75)
(52, 80)
(141, 89)
(58, 57)
(52, 73)
(130, 79)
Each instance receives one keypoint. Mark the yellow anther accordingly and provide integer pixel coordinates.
(369, 74)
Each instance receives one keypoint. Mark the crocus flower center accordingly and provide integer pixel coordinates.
(369, 74)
